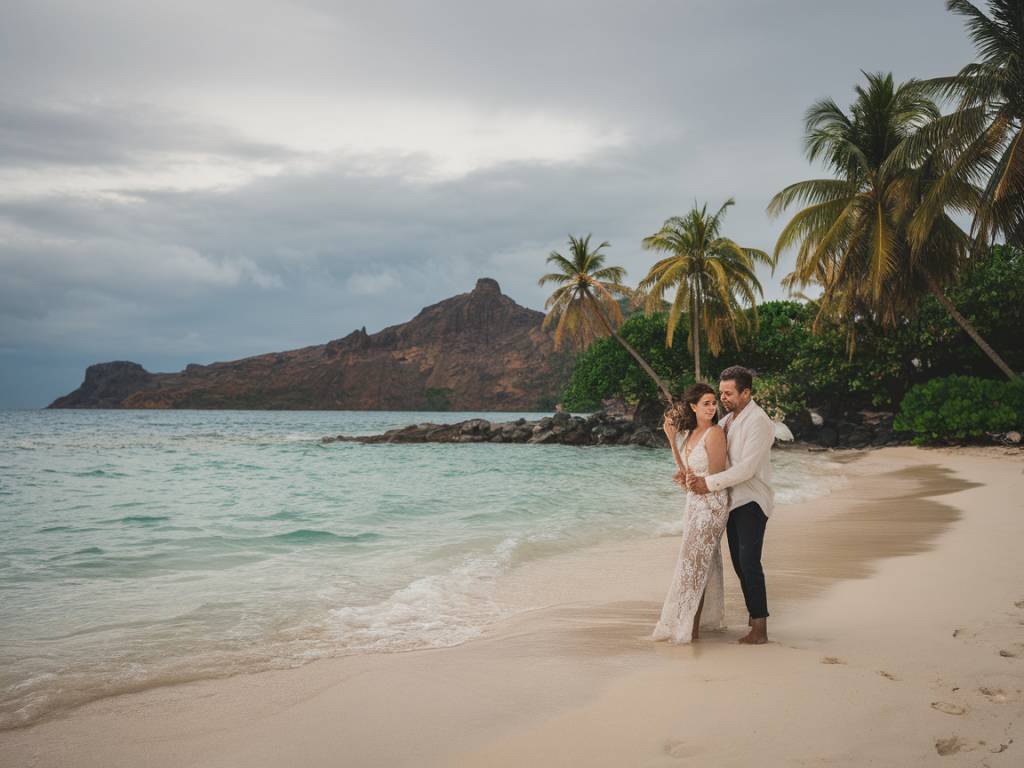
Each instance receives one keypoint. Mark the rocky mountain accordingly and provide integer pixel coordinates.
(475, 351)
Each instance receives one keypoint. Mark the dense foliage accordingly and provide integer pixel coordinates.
(991, 297)
(801, 365)
(606, 369)
(960, 408)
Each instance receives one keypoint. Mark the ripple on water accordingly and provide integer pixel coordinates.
(311, 535)
(139, 519)
(76, 553)
(285, 514)
(99, 473)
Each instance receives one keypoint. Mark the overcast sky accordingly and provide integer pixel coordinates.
(198, 181)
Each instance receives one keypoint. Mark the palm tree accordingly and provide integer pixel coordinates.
(712, 278)
(982, 137)
(865, 235)
(584, 304)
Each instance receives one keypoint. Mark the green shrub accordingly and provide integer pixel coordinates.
(783, 331)
(960, 407)
(990, 294)
(777, 396)
(606, 369)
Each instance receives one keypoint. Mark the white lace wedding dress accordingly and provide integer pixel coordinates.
(700, 558)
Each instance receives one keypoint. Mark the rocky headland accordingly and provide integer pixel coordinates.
(475, 351)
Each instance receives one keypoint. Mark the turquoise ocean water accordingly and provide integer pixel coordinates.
(139, 548)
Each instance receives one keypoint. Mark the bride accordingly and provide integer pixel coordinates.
(697, 586)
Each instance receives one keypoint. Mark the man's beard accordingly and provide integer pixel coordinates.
(729, 407)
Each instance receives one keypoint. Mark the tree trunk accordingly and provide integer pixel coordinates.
(969, 329)
(695, 339)
(636, 356)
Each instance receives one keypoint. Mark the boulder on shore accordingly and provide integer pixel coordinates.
(561, 428)
(858, 431)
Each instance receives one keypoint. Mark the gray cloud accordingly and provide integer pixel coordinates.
(163, 221)
(113, 134)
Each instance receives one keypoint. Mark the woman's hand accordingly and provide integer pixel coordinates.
(670, 428)
(679, 478)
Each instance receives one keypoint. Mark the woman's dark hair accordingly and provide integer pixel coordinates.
(680, 411)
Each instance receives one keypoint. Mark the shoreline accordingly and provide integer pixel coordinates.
(447, 599)
(536, 686)
(83, 694)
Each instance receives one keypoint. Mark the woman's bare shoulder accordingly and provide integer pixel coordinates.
(716, 433)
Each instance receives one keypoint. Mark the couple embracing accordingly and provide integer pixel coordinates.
(726, 471)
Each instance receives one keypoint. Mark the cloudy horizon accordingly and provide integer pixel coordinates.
(181, 183)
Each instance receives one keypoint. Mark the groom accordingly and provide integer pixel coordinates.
(749, 436)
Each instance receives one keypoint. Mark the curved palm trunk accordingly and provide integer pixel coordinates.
(636, 356)
(969, 329)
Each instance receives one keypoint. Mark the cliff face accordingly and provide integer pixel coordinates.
(106, 385)
(475, 351)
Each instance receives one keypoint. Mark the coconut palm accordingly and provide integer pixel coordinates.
(712, 278)
(864, 235)
(584, 306)
(982, 137)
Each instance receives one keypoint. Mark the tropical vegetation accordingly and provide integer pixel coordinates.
(896, 246)
(980, 139)
(584, 304)
(960, 408)
(711, 278)
(804, 359)
(864, 236)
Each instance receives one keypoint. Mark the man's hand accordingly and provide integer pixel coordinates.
(698, 485)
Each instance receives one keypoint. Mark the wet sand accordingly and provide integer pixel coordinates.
(897, 634)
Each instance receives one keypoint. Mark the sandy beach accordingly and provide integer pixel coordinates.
(897, 638)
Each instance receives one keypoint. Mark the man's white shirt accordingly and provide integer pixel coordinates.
(749, 440)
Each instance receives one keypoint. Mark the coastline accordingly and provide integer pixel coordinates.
(866, 588)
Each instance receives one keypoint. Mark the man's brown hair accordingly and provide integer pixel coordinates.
(744, 377)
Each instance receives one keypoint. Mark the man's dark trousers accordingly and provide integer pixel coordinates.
(745, 531)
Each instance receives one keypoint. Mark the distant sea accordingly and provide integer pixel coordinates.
(139, 548)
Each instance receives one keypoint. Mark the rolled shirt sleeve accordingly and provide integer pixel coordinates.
(756, 449)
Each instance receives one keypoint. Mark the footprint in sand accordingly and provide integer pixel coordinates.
(1019, 604)
(1008, 654)
(952, 745)
(949, 709)
(887, 675)
(832, 660)
(677, 748)
(996, 695)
